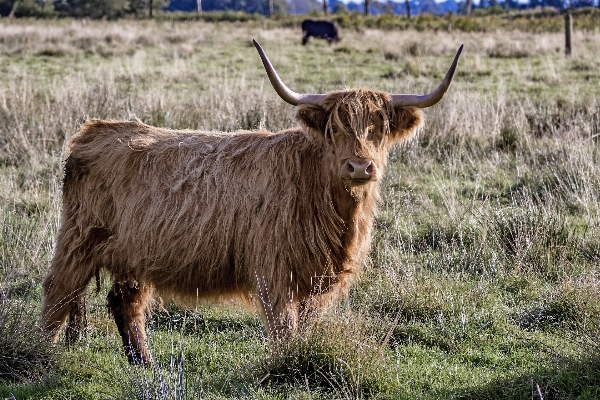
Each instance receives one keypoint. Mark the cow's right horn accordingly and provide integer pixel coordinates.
(428, 100)
(282, 90)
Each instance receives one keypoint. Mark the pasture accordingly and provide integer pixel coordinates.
(484, 275)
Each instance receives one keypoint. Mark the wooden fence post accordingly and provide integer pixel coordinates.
(568, 33)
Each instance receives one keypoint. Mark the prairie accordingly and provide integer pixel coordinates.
(484, 275)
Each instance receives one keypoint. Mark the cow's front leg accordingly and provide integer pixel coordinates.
(127, 302)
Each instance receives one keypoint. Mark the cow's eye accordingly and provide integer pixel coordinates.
(334, 129)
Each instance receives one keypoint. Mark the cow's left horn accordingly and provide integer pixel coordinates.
(283, 91)
(428, 100)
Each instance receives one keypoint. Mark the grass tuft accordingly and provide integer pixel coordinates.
(339, 353)
(25, 353)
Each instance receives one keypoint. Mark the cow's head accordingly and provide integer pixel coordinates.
(357, 126)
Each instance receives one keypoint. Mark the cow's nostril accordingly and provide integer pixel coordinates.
(350, 167)
(370, 168)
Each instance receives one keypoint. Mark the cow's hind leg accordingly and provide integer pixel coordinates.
(77, 320)
(64, 298)
(127, 302)
(73, 266)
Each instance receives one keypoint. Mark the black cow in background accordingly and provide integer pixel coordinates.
(320, 29)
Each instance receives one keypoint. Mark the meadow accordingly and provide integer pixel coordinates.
(484, 276)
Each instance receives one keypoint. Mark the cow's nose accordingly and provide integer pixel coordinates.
(360, 169)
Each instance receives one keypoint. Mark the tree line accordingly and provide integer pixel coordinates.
(113, 9)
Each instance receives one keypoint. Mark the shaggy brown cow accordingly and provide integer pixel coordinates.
(285, 216)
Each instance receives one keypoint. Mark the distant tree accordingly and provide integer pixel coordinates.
(339, 8)
(182, 5)
(25, 8)
(250, 6)
(145, 7)
(302, 6)
(511, 4)
(559, 4)
(93, 8)
(6, 7)
(468, 7)
(582, 3)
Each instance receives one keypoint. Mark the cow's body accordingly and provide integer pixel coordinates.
(285, 217)
(320, 29)
(191, 211)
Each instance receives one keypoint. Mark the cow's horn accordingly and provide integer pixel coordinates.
(282, 90)
(428, 100)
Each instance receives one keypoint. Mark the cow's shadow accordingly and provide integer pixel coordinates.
(212, 319)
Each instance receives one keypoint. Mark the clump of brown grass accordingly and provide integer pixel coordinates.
(504, 51)
(341, 352)
(25, 354)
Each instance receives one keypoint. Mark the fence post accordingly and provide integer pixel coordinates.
(568, 33)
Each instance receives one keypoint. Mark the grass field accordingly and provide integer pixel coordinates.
(484, 275)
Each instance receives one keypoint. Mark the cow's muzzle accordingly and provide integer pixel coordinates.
(358, 170)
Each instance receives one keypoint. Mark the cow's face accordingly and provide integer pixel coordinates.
(358, 128)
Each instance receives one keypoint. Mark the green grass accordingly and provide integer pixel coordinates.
(482, 281)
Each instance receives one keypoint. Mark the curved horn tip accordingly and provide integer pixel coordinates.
(460, 49)
(431, 99)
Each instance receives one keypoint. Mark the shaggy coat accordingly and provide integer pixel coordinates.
(208, 215)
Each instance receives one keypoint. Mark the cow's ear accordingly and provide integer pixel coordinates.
(313, 117)
(405, 123)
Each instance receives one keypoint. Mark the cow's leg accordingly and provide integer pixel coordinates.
(305, 38)
(64, 297)
(281, 318)
(128, 302)
(323, 297)
(73, 266)
(77, 320)
(279, 309)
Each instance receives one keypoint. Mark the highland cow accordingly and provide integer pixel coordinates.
(285, 217)
(320, 29)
